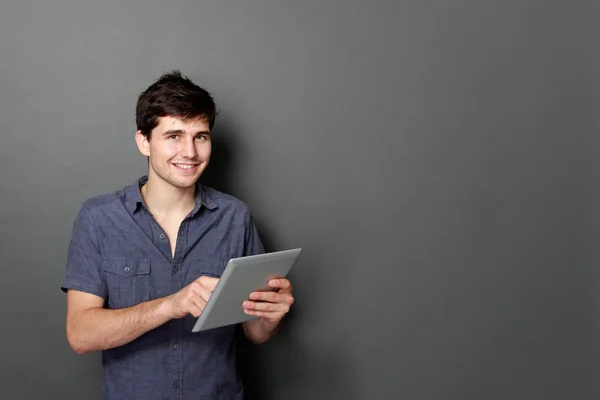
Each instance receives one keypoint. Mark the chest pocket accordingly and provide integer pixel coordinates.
(127, 280)
(212, 267)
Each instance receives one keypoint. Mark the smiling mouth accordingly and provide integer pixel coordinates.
(186, 168)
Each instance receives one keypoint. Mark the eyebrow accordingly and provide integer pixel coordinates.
(180, 131)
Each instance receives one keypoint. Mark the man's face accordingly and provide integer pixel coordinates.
(179, 150)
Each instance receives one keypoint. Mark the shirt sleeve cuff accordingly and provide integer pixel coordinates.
(87, 287)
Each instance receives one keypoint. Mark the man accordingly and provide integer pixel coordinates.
(143, 262)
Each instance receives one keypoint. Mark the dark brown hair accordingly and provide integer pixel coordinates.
(173, 95)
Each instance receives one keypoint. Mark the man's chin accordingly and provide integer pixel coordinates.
(185, 183)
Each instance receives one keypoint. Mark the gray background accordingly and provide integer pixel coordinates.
(435, 160)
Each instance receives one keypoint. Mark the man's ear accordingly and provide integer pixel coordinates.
(142, 143)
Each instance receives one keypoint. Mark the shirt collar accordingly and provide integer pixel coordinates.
(134, 201)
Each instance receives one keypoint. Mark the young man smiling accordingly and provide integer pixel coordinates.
(143, 262)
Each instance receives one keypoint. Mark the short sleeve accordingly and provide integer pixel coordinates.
(252, 245)
(84, 260)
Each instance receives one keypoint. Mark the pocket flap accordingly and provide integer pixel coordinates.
(126, 266)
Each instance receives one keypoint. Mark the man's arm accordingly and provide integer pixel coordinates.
(271, 307)
(259, 331)
(91, 327)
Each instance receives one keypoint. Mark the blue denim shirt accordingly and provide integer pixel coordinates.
(120, 253)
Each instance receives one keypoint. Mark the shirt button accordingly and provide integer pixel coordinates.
(175, 346)
(126, 269)
(162, 235)
(175, 269)
(176, 385)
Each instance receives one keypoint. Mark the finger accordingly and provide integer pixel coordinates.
(211, 283)
(267, 307)
(197, 304)
(272, 297)
(197, 289)
(208, 281)
(280, 283)
(272, 317)
(195, 312)
(192, 308)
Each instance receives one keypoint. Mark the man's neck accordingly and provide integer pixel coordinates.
(165, 200)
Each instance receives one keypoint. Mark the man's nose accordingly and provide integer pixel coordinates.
(189, 148)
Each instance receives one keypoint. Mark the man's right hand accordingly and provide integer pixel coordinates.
(193, 298)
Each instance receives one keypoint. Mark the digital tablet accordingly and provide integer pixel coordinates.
(241, 277)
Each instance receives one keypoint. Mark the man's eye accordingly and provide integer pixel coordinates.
(201, 137)
(173, 137)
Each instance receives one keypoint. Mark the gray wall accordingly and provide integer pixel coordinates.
(435, 161)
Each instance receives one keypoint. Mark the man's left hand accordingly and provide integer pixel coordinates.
(271, 306)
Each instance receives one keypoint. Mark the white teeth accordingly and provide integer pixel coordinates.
(185, 166)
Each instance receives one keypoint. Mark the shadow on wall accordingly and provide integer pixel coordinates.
(219, 176)
(284, 366)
